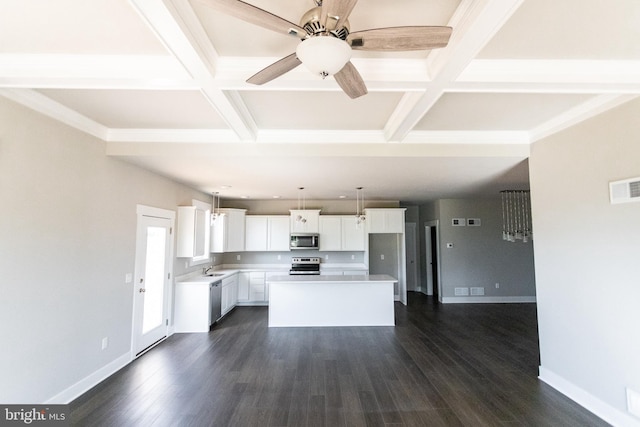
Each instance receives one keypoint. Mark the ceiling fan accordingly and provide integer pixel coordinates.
(327, 43)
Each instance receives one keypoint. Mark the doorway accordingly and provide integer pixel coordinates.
(412, 254)
(432, 258)
(152, 283)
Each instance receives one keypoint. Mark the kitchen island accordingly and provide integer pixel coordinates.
(333, 300)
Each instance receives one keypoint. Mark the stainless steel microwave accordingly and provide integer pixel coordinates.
(304, 241)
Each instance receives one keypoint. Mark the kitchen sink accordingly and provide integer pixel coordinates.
(215, 274)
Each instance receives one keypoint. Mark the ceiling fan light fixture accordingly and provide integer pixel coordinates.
(324, 55)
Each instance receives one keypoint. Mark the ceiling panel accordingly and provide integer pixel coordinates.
(145, 109)
(75, 27)
(496, 111)
(569, 29)
(320, 110)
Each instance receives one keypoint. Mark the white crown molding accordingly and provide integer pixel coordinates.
(469, 137)
(34, 67)
(579, 113)
(42, 104)
(172, 135)
(321, 137)
(573, 72)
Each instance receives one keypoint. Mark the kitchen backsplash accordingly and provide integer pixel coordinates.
(285, 257)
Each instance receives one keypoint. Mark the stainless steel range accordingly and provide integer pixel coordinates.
(300, 266)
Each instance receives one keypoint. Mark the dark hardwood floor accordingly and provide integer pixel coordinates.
(442, 365)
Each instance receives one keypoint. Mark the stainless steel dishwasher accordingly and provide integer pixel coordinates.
(215, 301)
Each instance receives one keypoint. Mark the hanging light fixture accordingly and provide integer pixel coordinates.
(215, 212)
(324, 55)
(360, 216)
(301, 205)
(516, 215)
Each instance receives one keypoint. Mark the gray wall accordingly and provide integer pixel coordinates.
(384, 245)
(479, 256)
(587, 254)
(67, 239)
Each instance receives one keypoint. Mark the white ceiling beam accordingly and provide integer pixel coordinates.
(572, 72)
(45, 105)
(475, 23)
(579, 113)
(177, 26)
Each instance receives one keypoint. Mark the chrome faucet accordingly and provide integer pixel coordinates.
(207, 269)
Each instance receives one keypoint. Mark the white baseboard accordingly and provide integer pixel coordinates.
(487, 300)
(602, 409)
(85, 384)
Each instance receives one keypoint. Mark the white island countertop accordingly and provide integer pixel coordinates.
(311, 278)
(333, 300)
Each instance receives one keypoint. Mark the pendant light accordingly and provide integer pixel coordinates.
(516, 215)
(301, 206)
(215, 213)
(360, 216)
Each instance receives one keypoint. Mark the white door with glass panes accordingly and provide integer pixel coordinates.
(152, 279)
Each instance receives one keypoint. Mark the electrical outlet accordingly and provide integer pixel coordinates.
(326, 256)
(382, 256)
(353, 257)
(105, 343)
(279, 257)
(238, 257)
(186, 265)
(497, 285)
(128, 278)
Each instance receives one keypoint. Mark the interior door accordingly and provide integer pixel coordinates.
(428, 259)
(412, 266)
(154, 249)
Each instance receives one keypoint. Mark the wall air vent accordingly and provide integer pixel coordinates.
(625, 191)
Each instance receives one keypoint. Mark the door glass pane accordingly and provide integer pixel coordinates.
(154, 274)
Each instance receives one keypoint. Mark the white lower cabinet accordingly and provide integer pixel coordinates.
(229, 297)
(257, 286)
(243, 286)
(193, 307)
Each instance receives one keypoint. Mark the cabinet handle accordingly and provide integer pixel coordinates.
(141, 290)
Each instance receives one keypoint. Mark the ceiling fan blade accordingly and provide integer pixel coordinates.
(400, 38)
(350, 81)
(274, 70)
(256, 16)
(335, 13)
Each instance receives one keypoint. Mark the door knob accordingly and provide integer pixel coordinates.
(141, 290)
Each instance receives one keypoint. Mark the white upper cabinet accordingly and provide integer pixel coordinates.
(278, 233)
(330, 233)
(267, 233)
(194, 231)
(385, 220)
(305, 221)
(228, 231)
(353, 234)
(340, 233)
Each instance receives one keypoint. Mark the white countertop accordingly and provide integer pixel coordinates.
(338, 278)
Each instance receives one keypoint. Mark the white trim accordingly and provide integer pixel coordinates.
(90, 381)
(585, 399)
(488, 300)
(155, 212)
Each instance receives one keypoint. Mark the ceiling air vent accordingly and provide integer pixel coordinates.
(627, 190)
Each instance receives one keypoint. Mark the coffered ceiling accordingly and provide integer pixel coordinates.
(163, 83)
